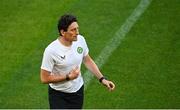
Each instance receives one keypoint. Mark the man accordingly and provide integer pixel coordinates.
(61, 66)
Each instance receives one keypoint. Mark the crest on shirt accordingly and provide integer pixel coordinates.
(79, 50)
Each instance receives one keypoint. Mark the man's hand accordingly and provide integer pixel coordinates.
(110, 85)
(74, 73)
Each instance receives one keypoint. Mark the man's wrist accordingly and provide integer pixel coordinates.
(102, 78)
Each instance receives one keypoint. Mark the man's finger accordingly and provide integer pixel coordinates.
(112, 86)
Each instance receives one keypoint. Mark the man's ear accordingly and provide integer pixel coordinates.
(62, 32)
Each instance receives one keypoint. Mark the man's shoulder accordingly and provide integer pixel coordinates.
(51, 46)
(81, 38)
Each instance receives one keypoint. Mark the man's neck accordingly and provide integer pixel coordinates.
(64, 41)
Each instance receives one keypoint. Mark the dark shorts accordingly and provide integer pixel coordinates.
(61, 100)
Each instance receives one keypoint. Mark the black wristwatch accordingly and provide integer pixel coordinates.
(100, 80)
(67, 77)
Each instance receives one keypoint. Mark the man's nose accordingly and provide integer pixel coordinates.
(77, 32)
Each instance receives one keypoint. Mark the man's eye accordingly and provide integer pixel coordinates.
(73, 29)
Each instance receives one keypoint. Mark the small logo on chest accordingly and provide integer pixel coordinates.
(63, 57)
(79, 50)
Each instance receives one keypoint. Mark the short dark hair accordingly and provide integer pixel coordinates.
(65, 21)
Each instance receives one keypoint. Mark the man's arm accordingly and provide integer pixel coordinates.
(90, 64)
(47, 77)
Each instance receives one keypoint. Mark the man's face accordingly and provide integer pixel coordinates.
(72, 32)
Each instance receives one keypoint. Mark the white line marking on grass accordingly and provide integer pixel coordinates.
(119, 35)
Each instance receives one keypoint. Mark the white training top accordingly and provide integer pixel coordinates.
(59, 59)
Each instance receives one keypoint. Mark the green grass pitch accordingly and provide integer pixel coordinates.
(145, 67)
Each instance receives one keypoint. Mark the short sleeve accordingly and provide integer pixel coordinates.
(47, 61)
(86, 49)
